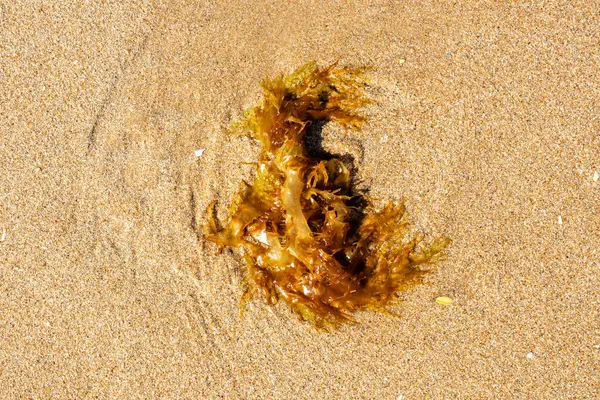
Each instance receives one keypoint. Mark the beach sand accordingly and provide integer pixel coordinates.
(486, 123)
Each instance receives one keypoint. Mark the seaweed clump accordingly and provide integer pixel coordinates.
(304, 236)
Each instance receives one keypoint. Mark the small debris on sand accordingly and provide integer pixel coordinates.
(444, 300)
(199, 152)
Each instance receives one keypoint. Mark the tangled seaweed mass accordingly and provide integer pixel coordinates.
(305, 234)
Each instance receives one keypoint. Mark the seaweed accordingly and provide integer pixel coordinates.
(307, 236)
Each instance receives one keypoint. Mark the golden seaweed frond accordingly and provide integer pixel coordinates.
(304, 237)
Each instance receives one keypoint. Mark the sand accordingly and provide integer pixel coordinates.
(486, 124)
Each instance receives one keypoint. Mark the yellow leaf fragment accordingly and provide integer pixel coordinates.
(444, 300)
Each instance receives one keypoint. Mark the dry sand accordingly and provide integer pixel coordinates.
(487, 123)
